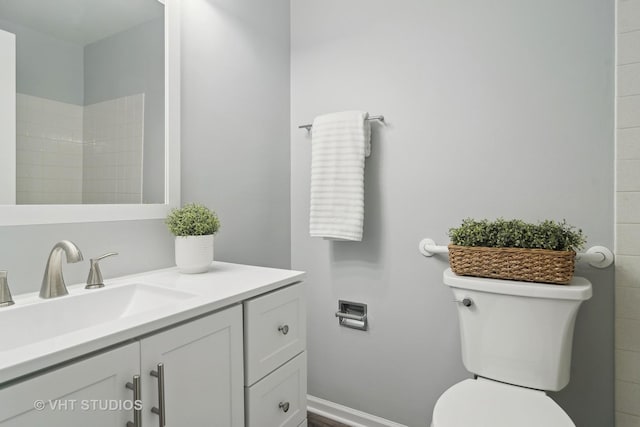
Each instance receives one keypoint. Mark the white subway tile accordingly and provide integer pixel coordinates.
(627, 302)
(25, 157)
(628, 143)
(628, 15)
(628, 207)
(629, 110)
(628, 239)
(33, 171)
(628, 51)
(627, 420)
(88, 197)
(627, 364)
(28, 185)
(52, 186)
(627, 334)
(627, 397)
(628, 175)
(627, 270)
(108, 197)
(628, 79)
(22, 197)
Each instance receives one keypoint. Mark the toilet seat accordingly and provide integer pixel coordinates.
(487, 403)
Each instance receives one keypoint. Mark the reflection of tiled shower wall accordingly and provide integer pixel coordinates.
(627, 310)
(113, 136)
(48, 151)
(68, 154)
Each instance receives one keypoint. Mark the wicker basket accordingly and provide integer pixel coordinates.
(528, 265)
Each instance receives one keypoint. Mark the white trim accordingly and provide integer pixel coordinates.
(172, 113)
(51, 214)
(7, 117)
(346, 415)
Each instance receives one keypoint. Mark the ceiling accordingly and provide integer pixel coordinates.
(80, 21)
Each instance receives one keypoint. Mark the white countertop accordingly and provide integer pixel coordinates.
(222, 286)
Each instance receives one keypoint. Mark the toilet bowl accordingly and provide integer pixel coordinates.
(487, 403)
(516, 338)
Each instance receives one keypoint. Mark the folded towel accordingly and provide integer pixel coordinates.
(339, 144)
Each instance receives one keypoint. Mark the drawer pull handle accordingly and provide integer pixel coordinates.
(285, 330)
(137, 411)
(160, 410)
(284, 406)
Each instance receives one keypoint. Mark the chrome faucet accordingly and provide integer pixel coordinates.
(95, 275)
(53, 282)
(5, 293)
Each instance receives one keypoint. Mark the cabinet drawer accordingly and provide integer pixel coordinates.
(275, 331)
(283, 389)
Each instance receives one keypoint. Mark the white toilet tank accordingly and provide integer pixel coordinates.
(518, 332)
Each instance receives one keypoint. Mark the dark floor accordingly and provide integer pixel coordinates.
(315, 420)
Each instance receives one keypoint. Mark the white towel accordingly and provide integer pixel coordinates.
(339, 144)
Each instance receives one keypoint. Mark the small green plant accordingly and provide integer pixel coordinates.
(192, 220)
(501, 233)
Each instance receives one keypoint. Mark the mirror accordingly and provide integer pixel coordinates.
(93, 120)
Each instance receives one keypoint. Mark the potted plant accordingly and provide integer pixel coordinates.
(515, 250)
(194, 226)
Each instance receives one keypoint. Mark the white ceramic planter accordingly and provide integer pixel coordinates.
(194, 254)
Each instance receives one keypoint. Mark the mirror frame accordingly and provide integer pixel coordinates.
(55, 214)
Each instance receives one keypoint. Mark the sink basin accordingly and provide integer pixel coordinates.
(46, 319)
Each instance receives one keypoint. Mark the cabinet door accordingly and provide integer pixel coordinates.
(90, 392)
(203, 372)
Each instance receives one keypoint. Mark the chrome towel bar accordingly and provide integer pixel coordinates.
(596, 256)
(377, 118)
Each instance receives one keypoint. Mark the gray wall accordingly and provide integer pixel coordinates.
(45, 66)
(142, 245)
(241, 171)
(235, 81)
(129, 63)
(493, 109)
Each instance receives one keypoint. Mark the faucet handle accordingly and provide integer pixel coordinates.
(5, 294)
(95, 276)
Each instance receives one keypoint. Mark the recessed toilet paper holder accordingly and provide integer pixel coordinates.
(352, 315)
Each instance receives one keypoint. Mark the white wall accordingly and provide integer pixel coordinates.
(494, 109)
(627, 353)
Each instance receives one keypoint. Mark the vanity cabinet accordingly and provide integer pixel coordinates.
(242, 365)
(275, 340)
(201, 383)
(75, 395)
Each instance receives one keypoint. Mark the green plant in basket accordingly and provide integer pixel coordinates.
(192, 220)
(501, 233)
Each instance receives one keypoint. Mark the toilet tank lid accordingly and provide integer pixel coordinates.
(579, 288)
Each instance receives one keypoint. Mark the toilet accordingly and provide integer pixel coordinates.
(516, 339)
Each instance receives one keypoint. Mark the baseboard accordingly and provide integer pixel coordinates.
(346, 415)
